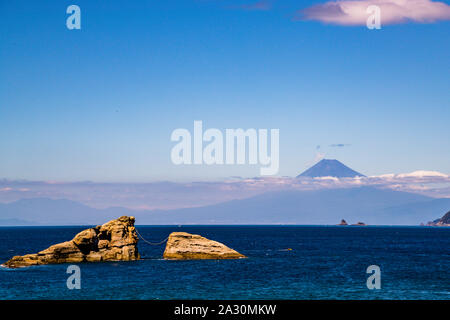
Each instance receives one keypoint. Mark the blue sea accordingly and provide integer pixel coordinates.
(326, 262)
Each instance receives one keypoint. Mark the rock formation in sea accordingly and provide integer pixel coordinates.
(359, 224)
(442, 222)
(343, 223)
(186, 246)
(116, 240)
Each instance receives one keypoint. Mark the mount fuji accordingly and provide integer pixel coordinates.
(330, 168)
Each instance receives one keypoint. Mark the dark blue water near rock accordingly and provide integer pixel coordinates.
(324, 263)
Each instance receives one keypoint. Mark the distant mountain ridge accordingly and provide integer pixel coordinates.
(320, 207)
(326, 206)
(45, 211)
(446, 218)
(330, 168)
(444, 221)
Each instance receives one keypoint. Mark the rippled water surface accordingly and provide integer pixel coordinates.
(324, 263)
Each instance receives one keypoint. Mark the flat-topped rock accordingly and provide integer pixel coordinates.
(115, 240)
(186, 246)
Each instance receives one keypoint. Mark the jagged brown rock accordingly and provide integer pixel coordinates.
(343, 223)
(115, 240)
(186, 246)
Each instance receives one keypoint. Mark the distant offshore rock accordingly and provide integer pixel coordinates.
(186, 246)
(442, 222)
(116, 240)
(344, 223)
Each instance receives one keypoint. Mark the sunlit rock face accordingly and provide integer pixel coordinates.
(186, 246)
(115, 240)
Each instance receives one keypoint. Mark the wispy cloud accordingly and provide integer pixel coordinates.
(319, 156)
(339, 145)
(353, 12)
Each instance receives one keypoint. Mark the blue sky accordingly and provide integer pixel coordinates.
(100, 103)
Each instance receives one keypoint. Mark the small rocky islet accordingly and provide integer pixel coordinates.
(117, 240)
(344, 223)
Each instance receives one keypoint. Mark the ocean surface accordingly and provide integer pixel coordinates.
(325, 262)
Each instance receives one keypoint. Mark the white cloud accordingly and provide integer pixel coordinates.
(327, 178)
(353, 12)
(423, 174)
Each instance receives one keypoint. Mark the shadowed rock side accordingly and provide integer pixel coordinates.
(445, 220)
(343, 223)
(186, 246)
(116, 240)
(442, 222)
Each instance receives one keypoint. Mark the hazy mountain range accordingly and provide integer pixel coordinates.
(368, 204)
